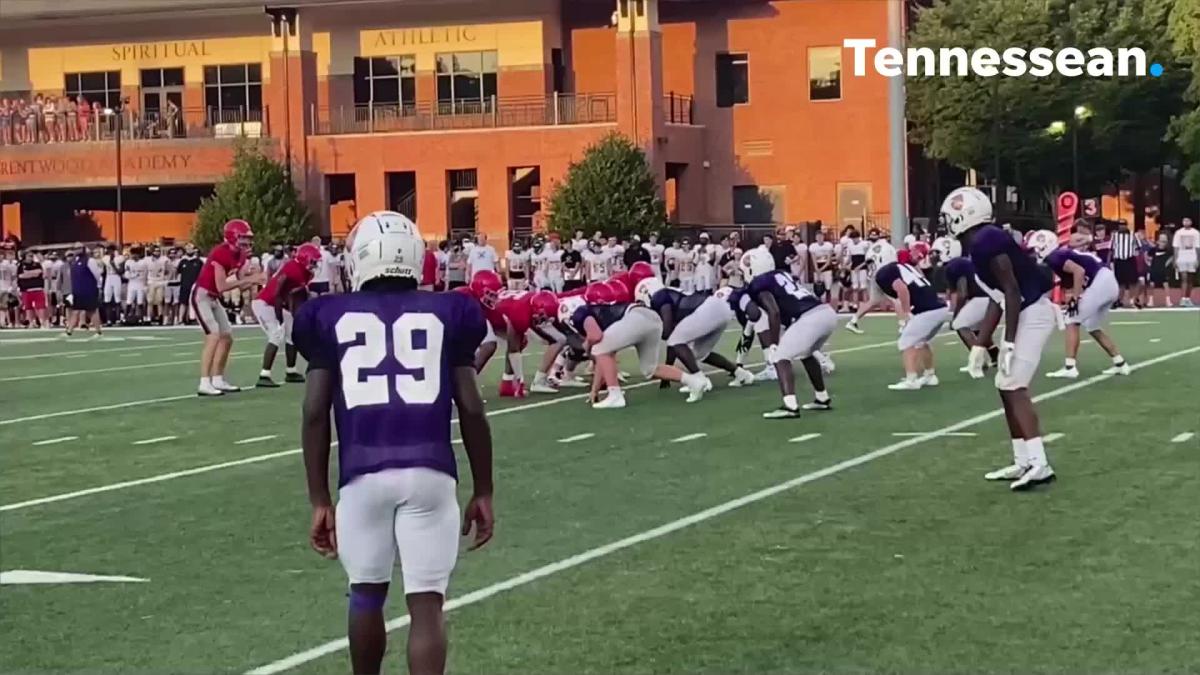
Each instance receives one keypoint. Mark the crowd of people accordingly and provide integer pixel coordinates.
(66, 119)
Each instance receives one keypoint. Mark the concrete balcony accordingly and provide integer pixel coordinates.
(494, 113)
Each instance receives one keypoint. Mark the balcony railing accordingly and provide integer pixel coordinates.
(134, 125)
(679, 109)
(553, 110)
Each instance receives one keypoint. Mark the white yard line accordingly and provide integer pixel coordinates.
(81, 411)
(576, 437)
(1183, 438)
(89, 352)
(256, 439)
(160, 364)
(804, 438)
(285, 453)
(689, 437)
(931, 434)
(1155, 340)
(509, 584)
(77, 356)
(159, 439)
(1135, 323)
(60, 439)
(130, 355)
(1050, 438)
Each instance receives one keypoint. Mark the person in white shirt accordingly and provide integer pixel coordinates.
(579, 243)
(8, 286)
(704, 256)
(481, 257)
(597, 263)
(1186, 244)
(616, 255)
(113, 298)
(136, 273)
(517, 262)
(730, 263)
(551, 259)
(822, 254)
(655, 250)
(880, 253)
(156, 285)
(322, 278)
(799, 261)
(856, 250)
(685, 266)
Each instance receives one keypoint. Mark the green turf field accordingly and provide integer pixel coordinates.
(825, 544)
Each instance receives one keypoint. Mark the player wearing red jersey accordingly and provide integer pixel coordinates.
(218, 276)
(275, 306)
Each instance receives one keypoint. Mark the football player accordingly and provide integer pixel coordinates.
(1011, 278)
(517, 261)
(608, 327)
(515, 315)
(879, 253)
(798, 325)
(1092, 293)
(156, 286)
(275, 306)
(597, 263)
(921, 313)
(390, 360)
(217, 277)
(136, 273)
(969, 306)
(485, 287)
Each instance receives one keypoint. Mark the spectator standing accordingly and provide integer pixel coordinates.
(1124, 251)
(655, 251)
(572, 264)
(456, 267)
(8, 287)
(635, 252)
(1185, 246)
(31, 281)
(1160, 270)
(782, 250)
(189, 272)
(86, 274)
(481, 257)
(322, 281)
(579, 243)
(83, 113)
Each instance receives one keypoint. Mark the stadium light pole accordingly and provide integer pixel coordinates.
(1082, 113)
(119, 111)
(897, 141)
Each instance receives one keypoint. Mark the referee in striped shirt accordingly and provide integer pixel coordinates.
(1124, 257)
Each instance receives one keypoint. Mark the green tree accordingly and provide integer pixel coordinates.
(1000, 126)
(258, 191)
(610, 189)
(1185, 33)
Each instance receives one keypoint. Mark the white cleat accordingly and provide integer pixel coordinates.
(209, 390)
(1122, 369)
(1034, 476)
(742, 378)
(697, 389)
(767, 374)
(905, 385)
(1010, 472)
(852, 326)
(227, 388)
(827, 364)
(930, 380)
(542, 388)
(96, 336)
(572, 383)
(610, 402)
(1064, 373)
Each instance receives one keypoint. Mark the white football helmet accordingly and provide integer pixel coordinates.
(964, 209)
(1041, 242)
(384, 244)
(646, 288)
(567, 307)
(757, 261)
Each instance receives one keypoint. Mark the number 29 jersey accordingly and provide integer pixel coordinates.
(392, 355)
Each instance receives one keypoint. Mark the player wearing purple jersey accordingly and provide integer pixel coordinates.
(1093, 290)
(968, 307)
(798, 325)
(922, 314)
(1012, 278)
(390, 360)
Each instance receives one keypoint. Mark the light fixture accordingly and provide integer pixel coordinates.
(1057, 128)
(1082, 112)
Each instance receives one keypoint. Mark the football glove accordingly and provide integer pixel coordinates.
(1006, 357)
(1073, 307)
(977, 361)
(746, 343)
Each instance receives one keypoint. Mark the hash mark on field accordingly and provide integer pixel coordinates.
(78, 356)
(255, 439)
(805, 437)
(1135, 323)
(1050, 438)
(1085, 342)
(187, 353)
(60, 439)
(689, 437)
(130, 355)
(934, 433)
(1155, 340)
(160, 439)
(576, 437)
(1183, 438)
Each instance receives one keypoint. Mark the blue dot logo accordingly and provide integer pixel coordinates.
(1156, 70)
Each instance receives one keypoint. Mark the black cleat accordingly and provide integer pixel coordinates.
(294, 378)
(266, 383)
(781, 413)
(818, 405)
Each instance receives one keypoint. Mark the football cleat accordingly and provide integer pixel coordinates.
(905, 385)
(542, 388)
(507, 389)
(767, 374)
(699, 386)
(209, 390)
(1010, 472)
(1034, 476)
(572, 383)
(818, 405)
(827, 365)
(742, 378)
(930, 380)
(781, 413)
(266, 383)
(1064, 373)
(96, 336)
(226, 387)
(1122, 369)
(852, 326)
(611, 402)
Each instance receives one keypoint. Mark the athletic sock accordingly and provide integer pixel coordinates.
(790, 402)
(1070, 364)
(910, 377)
(206, 382)
(1118, 360)
(291, 370)
(1020, 452)
(822, 396)
(928, 373)
(1035, 451)
(614, 391)
(264, 373)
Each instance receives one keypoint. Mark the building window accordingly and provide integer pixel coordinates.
(466, 82)
(233, 93)
(824, 73)
(733, 80)
(386, 81)
(102, 89)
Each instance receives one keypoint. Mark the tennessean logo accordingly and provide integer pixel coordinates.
(1010, 62)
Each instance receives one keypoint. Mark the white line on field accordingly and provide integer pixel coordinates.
(509, 584)
(951, 343)
(802, 439)
(1087, 341)
(1183, 438)
(187, 353)
(931, 434)
(130, 355)
(78, 356)
(89, 352)
(576, 437)
(1135, 323)
(1050, 438)
(159, 439)
(60, 439)
(689, 437)
(285, 453)
(1155, 340)
(256, 439)
(114, 406)
(44, 376)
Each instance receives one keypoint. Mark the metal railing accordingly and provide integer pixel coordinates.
(679, 109)
(135, 125)
(553, 110)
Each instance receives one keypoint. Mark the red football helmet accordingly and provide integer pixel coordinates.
(920, 251)
(621, 289)
(599, 293)
(904, 257)
(486, 285)
(308, 255)
(640, 270)
(545, 306)
(238, 233)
